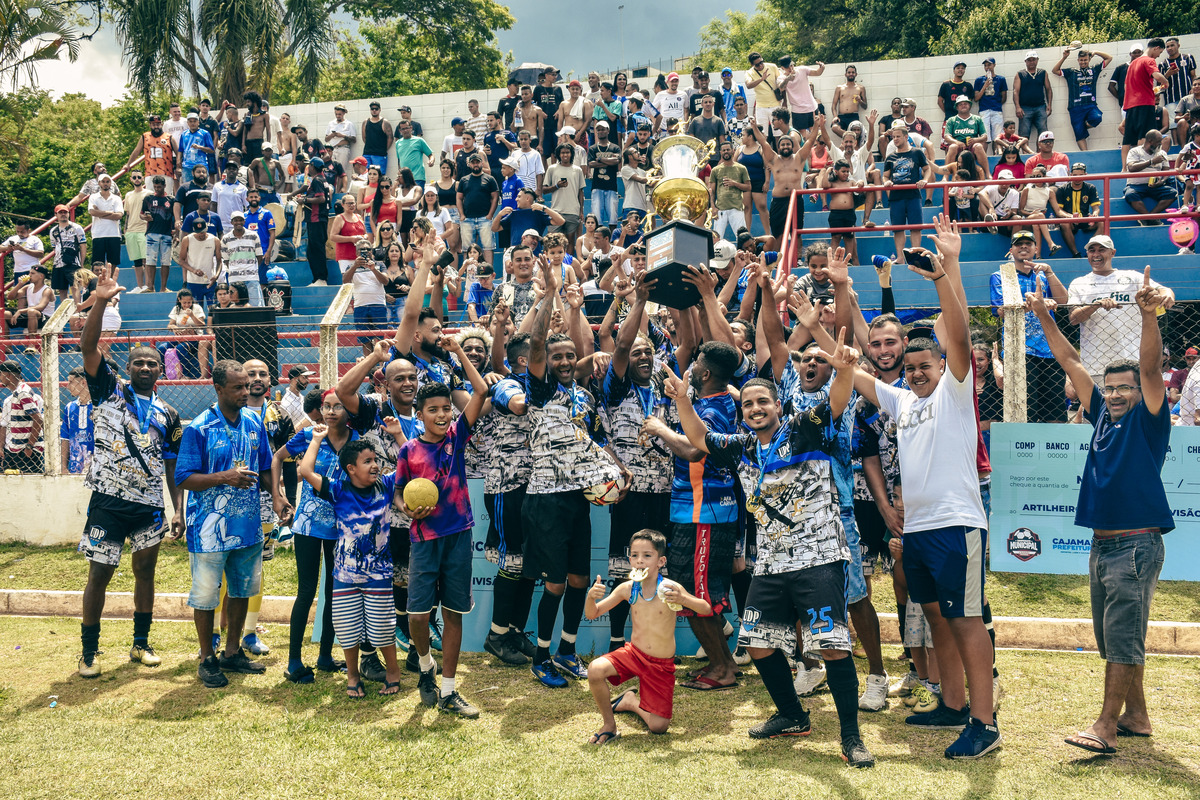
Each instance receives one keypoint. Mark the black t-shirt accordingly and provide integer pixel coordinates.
(333, 172)
(313, 149)
(396, 288)
(1118, 77)
(644, 154)
(162, 220)
(718, 107)
(548, 99)
(477, 193)
(507, 108)
(494, 141)
(604, 177)
(1080, 204)
(949, 92)
(186, 198)
(903, 168)
(214, 130)
(318, 200)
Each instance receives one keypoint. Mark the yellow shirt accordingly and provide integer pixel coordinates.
(764, 93)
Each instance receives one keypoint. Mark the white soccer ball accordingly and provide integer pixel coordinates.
(606, 493)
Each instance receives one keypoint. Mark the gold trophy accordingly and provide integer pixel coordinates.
(682, 200)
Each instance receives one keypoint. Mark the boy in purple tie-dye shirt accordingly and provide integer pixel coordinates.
(439, 565)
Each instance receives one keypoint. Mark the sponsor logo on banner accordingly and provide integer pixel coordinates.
(1024, 544)
(1063, 545)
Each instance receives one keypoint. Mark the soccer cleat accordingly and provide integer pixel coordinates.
(403, 643)
(89, 664)
(255, 646)
(874, 698)
(210, 673)
(779, 725)
(427, 686)
(371, 668)
(905, 686)
(856, 754)
(522, 642)
(940, 718)
(454, 703)
(976, 740)
(435, 635)
(500, 645)
(548, 675)
(922, 700)
(144, 655)
(412, 662)
(572, 665)
(741, 657)
(808, 680)
(240, 662)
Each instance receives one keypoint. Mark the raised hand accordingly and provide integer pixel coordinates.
(107, 286)
(934, 259)
(839, 266)
(674, 388)
(381, 350)
(844, 356)
(1036, 302)
(804, 311)
(704, 279)
(392, 426)
(320, 431)
(1149, 298)
(946, 236)
(573, 295)
(642, 287)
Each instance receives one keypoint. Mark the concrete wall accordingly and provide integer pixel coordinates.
(45, 510)
(918, 78)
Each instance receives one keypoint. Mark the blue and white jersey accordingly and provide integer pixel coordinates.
(362, 552)
(79, 432)
(223, 518)
(314, 516)
(796, 400)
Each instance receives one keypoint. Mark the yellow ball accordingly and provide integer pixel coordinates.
(420, 492)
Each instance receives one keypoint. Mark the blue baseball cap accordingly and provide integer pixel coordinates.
(726, 71)
(317, 163)
(457, 121)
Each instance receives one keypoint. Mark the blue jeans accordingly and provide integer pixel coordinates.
(242, 568)
(604, 206)
(394, 309)
(254, 289)
(158, 249)
(1123, 572)
(1035, 116)
(203, 294)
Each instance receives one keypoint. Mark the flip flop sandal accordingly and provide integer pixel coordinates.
(1123, 731)
(1103, 748)
(355, 691)
(707, 684)
(604, 737)
(389, 685)
(617, 701)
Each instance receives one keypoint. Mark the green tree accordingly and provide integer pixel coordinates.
(726, 42)
(1020, 24)
(1166, 17)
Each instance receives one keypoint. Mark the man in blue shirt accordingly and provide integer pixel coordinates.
(224, 459)
(262, 222)
(1122, 499)
(203, 204)
(1043, 375)
(991, 92)
(195, 145)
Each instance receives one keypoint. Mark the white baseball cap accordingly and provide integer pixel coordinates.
(566, 130)
(723, 252)
(1031, 54)
(1137, 47)
(1103, 241)
(1046, 136)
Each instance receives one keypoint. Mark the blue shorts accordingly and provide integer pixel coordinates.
(203, 294)
(158, 249)
(242, 569)
(377, 161)
(370, 318)
(439, 573)
(1083, 118)
(946, 566)
(856, 584)
(906, 212)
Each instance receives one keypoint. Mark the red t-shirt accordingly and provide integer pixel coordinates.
(1054, 160)
(1139, 83)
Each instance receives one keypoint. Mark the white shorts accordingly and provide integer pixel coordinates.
(763, 116)
(917, 632)
(993, 123)
(735, 218)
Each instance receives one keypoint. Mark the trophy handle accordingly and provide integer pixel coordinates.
(708, 215)
(710, 147)
(654, 175)
(648, 223)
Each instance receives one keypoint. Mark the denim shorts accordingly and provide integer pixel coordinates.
(242, 568)
(477, 229)
(1124, 573)
(945, 566)
(158, 249)
(203, 294)
(906, 212)
(1083, 118)
(439, 573)
(371, 317)
(856, 584)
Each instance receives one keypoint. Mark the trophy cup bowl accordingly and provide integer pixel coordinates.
(682, 199)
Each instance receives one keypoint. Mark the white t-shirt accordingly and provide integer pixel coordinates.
(937, 436)
(181, 317)
(368, 291)
(671, 105)
(173, 128)
(859, 159)
(1189, 398)
(529, 166)
(1002, 203)
(345, 128)
(105, 228)
(440, 220)
(201, 255)
(33, 297)
(1108, 335)
(915, 140)
(23, 262)
(451, 145)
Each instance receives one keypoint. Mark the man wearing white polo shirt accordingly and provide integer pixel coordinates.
(339, 135)
(26, 249)
(241, 252)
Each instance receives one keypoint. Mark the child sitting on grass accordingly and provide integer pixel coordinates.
(650, 654)
(362, 561)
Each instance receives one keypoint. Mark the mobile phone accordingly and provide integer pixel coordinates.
(920, 260)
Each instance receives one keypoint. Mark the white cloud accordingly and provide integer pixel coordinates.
(97, 73)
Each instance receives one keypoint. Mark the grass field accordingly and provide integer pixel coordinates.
(142, 733)
(1011, 594)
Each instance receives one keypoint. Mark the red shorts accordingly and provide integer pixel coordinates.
(656, 678)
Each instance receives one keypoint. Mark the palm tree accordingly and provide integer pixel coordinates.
(32, 32)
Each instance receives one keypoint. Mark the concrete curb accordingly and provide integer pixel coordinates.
(1037, 633)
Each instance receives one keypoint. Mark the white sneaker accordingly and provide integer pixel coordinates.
(905, 687)
(318, 283)
(741, 657)
(136, 290)
(807, 680)
(876, 694)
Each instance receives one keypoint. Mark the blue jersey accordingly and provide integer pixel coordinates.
(509, 190)
(223, 518)
(701, 491)
(314, 516)
(188, 141)
(261, 222)
(214, 224)
(841, 437)
(363, 527)
(79, 432)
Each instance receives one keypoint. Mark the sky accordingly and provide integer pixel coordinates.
(643, 29)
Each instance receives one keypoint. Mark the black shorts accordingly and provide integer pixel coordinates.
(814, 597)
(253, 150)
(400, 546)
(802, 121)
(638, 511)
(110, 522)
(504, 545)
(844, 120)
(843, 218)
(407, 218)
(1138, 120)
(872, 532)
(558, 536)
(700, 558)
(106, 249)
(758, 186)
(779, 213)
(62, 278)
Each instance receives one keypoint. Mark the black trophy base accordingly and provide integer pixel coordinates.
(669, 251)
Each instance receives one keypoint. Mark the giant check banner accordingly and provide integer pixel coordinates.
(1036, 470)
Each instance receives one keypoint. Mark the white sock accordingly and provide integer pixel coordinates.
(427, 663)
(447, 686)
(499, 630)
(251, 624)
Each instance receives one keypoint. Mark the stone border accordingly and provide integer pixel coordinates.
(1036, 633)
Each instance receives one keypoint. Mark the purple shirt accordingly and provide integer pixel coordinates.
(444, 464)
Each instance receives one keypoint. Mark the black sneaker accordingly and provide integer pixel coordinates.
(977, 739)
(523, 643)
(454, 703)
(500, 645)
(856, 753)
(240, 662)
(412, 662)
(427, 686)
(779, 725)
(210, 673)
(372, 669)
(942, 717)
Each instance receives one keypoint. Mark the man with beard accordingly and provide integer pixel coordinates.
(417, 337)
(566, 460)
(519, 292)
(365, 414)
(159, 149)
(293, 402)
(478, 196)
(187, 200)
(800, 573)
(135, 450)
(505, 477)
(267, 175)
(261, 222)
(787, 169)
(633, 400)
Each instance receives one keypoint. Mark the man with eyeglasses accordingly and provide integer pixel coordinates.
(1102, 305)
(1122, 499)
